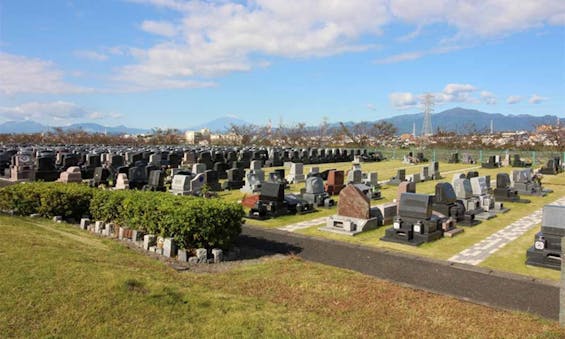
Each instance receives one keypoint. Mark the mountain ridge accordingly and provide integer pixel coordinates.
(457, 119)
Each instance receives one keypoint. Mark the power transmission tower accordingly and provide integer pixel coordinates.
(428, 109)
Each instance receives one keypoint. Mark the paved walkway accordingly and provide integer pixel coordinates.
(304, 224)
(477, 253)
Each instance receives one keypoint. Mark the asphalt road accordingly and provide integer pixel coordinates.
(474, 284)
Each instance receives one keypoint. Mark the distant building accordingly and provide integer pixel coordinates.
(197, 137)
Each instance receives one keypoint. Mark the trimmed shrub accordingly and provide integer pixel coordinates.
(193, 222)
(47, 199)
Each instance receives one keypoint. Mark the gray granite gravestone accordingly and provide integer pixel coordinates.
(546, 251)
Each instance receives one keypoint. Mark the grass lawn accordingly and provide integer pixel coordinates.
(512, 258)
(57, 280)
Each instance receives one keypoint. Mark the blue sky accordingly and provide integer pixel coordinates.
(170, 63)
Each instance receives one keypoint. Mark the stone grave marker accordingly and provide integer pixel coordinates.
(354, 213)
(546, 251)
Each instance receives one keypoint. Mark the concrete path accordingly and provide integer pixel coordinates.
(475, 284)
(304, 224)
(477, 253)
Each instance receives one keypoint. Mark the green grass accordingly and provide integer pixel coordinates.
(58, 281)
(512, 258)
(445, 247)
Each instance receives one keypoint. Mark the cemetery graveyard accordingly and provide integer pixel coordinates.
(415, 206)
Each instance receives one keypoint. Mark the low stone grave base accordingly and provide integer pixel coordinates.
(350, 226)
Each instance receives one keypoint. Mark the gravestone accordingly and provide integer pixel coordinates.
(315, 193)
(296, 174)
(137, 176)
(464, 193)
(467, 159)
(518, 162)
(122, 182)
(155, 159)
(252, 183)
(425, 173)
(156, 181)
(221, 168)
(354, 175)
(314, 171)
(278, 177)
(180, 184)
(22, 167)
(503, 191)
(234, 179)
(525, 182)
(398, 178)
(492, 162)
(212, 180)
(414, 178)
(404, 187)
(415, 223)
(271, 202)
(45, 169)
(198, 168)
(480, 189)
(197, 183)
(371, 179)
(188, 159)
(354, 213)
(334, 184)
(552, 167)
(72, 174)
(434, 171)
(446, 203)
(101, 176)
(546, 251)
(453, 158)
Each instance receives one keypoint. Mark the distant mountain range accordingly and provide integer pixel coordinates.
(28, 127)
(457, 119)
(462, 120)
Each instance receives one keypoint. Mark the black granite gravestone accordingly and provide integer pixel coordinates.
(415, 223)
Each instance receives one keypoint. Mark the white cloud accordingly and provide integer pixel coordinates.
(220, 38)
(452, 93)
(482, 18)
(404, 100)
(215, 38)
(513, 99)
(159, 28)
(26, 75)
(371, 107)
(55, 111)
(91, 55)
(536, 99)
(488, 98)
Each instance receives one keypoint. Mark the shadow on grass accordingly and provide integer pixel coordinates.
(256, 247)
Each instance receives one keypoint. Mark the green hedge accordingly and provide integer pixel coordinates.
(193, 222)
(47, 199)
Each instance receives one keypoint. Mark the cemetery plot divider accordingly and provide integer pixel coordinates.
(192, 221)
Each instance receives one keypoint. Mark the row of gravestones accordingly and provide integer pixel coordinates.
(46, 164)
(552, 167)
(267, 198)
(419, 218)
(162, 246)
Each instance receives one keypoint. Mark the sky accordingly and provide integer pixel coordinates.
(177, 64)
